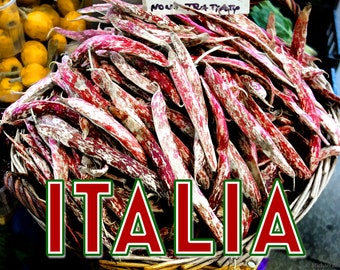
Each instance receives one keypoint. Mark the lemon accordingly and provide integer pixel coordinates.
(34, 51)
(37, 25)
(3, 2)
(51, 12)
(65, 6)
(58, 42)
(70, 22)
(32, 73)
(7, 47)
(9, 18)
(10, 91)
(10, 64)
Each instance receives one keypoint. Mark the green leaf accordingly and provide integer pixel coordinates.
(284, 26)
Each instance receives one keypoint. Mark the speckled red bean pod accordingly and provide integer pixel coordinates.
(194, 109)
(245, 120)
(119, 44)
(110, 125)
(168, 145)
(58, 129)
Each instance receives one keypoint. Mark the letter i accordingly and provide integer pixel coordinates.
(92, 193)
(55, 224)
(232, 218)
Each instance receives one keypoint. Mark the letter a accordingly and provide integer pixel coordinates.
(277, 227)
(138, 227)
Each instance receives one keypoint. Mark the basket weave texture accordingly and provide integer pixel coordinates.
(27, 195)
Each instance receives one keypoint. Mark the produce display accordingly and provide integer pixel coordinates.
(188, 96)
(39, 46)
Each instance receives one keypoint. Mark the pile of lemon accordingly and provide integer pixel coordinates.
(41, 45)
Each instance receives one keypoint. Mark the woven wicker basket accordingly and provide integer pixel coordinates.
(25, 191)
(26, 194)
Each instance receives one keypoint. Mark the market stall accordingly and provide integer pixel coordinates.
(165, 115)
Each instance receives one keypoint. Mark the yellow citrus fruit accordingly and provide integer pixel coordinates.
(37, 25)
(10, 22)
(9, 17)
(10, 91)
(34, 51)
(7, 47)
(32, 73)
(59, 42)
(3, 2)
(70, 22)
(51, 12)
(65, 6)
(10, 64)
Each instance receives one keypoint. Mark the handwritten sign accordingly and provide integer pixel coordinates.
(221, 7)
